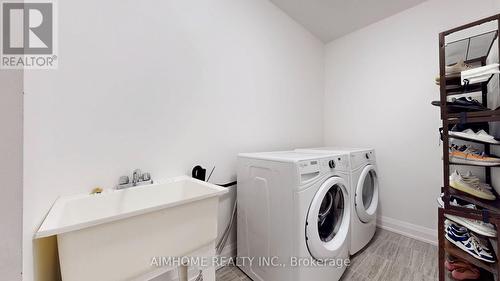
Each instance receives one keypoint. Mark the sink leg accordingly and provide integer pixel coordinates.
(183, 272)
(209, 272)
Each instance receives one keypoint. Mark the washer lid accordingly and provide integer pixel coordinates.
(328, 219)
(367, 194)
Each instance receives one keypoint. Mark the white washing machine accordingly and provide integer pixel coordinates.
(364, 192)
(293, 210)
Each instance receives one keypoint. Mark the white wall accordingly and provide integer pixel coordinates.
(163, 86)
(11, 174)
(379, 85)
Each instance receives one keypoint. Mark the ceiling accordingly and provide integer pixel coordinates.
(331, 19)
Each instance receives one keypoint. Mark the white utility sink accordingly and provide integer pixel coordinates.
(113, 236)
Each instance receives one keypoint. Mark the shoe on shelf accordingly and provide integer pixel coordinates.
(456, 202)
(457, 230)
(473, 126)
(461, 269)
(466, 154)
(457, 68)
(469, 177)
(463, 104)
(479, 74)
(459, 183)
(466, 104)
(476, 226)
(470, 273)
(454, 70)
(467, 242)
(469, 134)
(456, 264)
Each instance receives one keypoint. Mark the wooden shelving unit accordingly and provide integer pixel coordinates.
(488, 211)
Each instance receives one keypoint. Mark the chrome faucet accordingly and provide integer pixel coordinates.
(138, 178)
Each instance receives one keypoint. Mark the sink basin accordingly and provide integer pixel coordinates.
(114, 236)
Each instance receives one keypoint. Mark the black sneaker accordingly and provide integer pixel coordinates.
(462, 104)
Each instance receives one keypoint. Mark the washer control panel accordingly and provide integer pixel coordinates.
(337, 162)
(309, 170)
(310, 166)
(362, 158)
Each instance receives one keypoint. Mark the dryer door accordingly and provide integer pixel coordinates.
(328, 220)
(367, 194)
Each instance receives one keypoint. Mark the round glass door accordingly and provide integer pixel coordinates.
(367, 194)
(330, 213)
(328, 219)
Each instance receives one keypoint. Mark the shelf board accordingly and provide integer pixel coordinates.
(481, 119)
(464, 213)
(493, 206)
(485, 276)
(458, 253)
(484, 113)
(474, 165)
(475, 117)
(452, 90)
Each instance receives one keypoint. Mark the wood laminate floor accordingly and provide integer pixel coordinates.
(389, 257)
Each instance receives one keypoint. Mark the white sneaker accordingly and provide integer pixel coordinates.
(482, 135)
(471, 135)
(454, 202)
(459, 183)
(469, 177)
(479, 74)
(479, 227)
(457, 68)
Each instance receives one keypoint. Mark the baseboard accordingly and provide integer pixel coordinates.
(414, 231)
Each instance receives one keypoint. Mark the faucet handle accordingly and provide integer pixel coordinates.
(136, 176)
(123, 180)
(146, 177)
